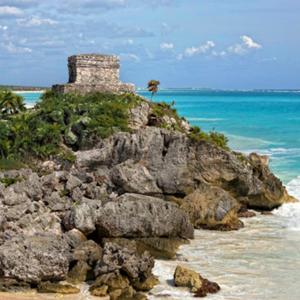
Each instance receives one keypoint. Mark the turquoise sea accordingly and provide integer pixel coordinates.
(262, 260)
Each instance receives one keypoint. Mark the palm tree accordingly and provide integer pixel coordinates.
(153, 87)
(11, 103)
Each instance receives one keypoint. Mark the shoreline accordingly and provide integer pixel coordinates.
(30, 92)
(216, 258)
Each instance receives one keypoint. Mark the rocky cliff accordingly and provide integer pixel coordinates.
(130, 196)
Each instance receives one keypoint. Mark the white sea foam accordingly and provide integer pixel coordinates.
(291, 211)
(29, 105)
(293, 187)
(279, 152)
(243, 142)
(30, 92)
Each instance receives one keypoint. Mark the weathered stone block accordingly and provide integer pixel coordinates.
(94, 73)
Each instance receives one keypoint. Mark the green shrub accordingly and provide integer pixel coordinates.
(10, 164)
(61, 123)
(7, 181)
(161, 109)
(57, 121)
(213, 137)
(10, 103)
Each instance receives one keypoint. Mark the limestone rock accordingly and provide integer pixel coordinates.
(185, 277)
(49, 287)
(208, 287)
(116, 258)
(13, 285)
(126, 294)
(79, 272)
(114, 281)
(34, 259)
(162, 248)
(145, 285)
(178, 165)
(140, 296)
(88, 251)
(74, 238)
(134, 178)
(99, 291)
(245, 213)
(113, 284)
(133, 215)
(81, 217)
(212, 208)
(138, 115)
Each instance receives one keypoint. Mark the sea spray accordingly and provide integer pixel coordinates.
(290, 212)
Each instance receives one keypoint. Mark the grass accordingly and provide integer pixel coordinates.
(9, 164)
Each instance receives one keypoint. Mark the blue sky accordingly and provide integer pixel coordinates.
(232, 44)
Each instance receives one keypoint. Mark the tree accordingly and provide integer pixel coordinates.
(11, 103)
(153, 87)
(4, 139)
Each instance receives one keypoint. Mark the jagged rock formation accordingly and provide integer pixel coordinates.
(94, 73)
(184, 277)
(133, 191)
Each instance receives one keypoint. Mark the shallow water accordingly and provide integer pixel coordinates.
(260, 261)
(33, 295)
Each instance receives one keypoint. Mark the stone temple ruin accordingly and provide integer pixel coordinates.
(94, 73)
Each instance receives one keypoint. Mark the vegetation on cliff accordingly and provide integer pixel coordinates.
(146, 187)
(10, 103)
(61, 123)
(153, 87)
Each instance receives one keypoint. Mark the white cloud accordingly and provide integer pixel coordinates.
(81, 6)
(219, 53)
(244, 47)
(166, 46)
(130, 57)
(10, 11)
(12, 48)
(36, 21)
(202, 49)
(4, 28)
(249, 42)
(237, 49)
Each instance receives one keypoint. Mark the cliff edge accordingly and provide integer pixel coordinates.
(121, 180)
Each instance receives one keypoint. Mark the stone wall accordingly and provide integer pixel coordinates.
(94, 73)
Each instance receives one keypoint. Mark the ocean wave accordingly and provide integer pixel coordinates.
(293, 188)
(274, 151)
(291, 211)
(205, 119)
(245, 143)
